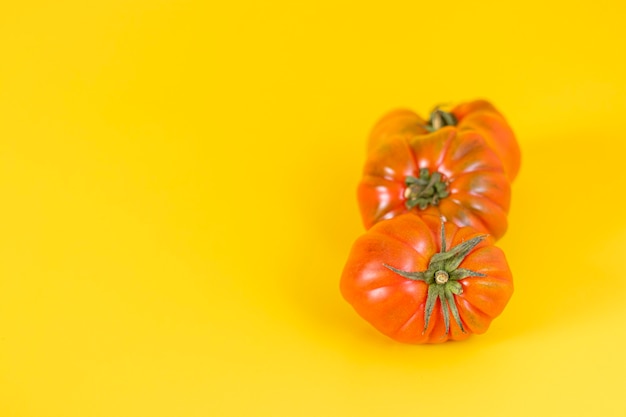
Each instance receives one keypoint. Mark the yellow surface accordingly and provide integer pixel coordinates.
(178, 199)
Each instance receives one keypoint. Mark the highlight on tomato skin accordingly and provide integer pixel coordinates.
(448, 173)
(418, 280)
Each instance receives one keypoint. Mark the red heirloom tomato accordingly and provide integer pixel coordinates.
(478, 115)
(418, 280)
(448, 173)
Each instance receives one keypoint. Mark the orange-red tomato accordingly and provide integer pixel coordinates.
(417, 287)
(450, 173)
(479, 115)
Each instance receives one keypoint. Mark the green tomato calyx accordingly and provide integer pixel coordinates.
(424, 190)
(442, 277)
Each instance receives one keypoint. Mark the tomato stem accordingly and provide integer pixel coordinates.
(427, 189)
(442, 277)
(440, 118)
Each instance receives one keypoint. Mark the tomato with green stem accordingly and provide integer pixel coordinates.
(419, 280)
(478, 115)
(449, 173)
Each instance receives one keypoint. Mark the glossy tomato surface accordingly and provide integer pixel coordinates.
(396, 305)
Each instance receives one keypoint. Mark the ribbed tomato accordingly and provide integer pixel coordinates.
(479, 115)
(418, 281)
(450, 173)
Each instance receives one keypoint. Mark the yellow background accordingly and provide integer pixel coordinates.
(178, 199)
